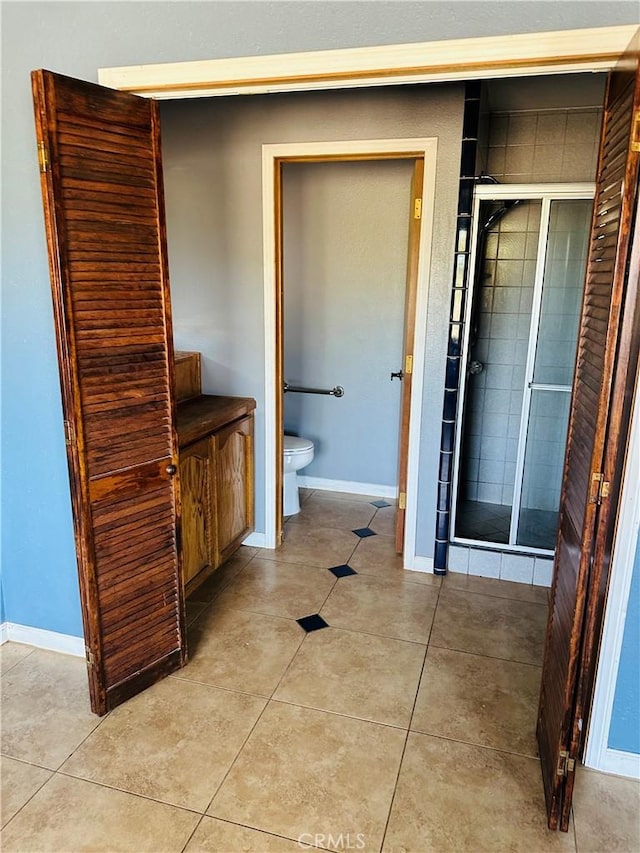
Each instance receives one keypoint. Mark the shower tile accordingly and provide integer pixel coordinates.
(551, 128)
(531, 246)
(529, 272)
(509, 273)
(504, 324)
(483, 563)
(498, 129)
(458, 559)
(495, 160)
(516, 567)
(506, 300)
(492, 448)
(490, 493)
(511, 245)
(500, 375)
(495, 425)
(450, 405)
(497, 401)
(446, 467)
(542, 571)
(522, 129)
(502, 351)
(491, 471)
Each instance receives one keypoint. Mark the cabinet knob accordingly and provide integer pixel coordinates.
(171, 470)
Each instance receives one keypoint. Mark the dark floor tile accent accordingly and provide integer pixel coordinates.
(312, 623)
(363, 532)
(342, 571)
(380, 504)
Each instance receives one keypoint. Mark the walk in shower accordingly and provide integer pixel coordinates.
(529, 258)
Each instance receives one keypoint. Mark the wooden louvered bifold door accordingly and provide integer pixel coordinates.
(104, 215)
(594, 430)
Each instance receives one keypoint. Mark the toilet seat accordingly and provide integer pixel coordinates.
(294, 445)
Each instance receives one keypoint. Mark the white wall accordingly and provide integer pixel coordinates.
(212, 161)
(345, 258)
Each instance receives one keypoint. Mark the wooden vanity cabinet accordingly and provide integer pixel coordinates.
(216, 472)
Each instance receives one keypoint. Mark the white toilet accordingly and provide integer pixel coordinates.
(298, 453)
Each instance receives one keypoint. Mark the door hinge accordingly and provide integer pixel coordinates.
(635, 132)
(90, 657)
(408, 364)
(599, 488)
(402, 500)
(566, 765)
(417, 209)
(43, 157)
(68, 432)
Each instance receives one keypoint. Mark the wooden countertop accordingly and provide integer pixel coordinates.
(201, 415)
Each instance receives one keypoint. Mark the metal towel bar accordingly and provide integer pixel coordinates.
(338, 391)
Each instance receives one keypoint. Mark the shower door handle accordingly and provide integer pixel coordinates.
(398, 375)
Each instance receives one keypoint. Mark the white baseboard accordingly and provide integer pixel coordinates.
(374, 489)
(618, 762)
(51, 640)
(256, 540)
(418, 564)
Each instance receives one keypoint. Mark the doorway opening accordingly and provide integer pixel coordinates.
(529, 256)
(421, 154)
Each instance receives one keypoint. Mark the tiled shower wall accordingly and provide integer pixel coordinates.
(494, 397)
(521, 147)
(542, 147)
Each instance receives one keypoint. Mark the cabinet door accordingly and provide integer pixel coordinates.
(233, 453)
(197, 508)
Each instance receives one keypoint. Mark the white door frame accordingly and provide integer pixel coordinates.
(335, 150)
(598, 754)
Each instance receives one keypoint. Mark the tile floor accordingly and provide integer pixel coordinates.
(487, 522)
(406, 725)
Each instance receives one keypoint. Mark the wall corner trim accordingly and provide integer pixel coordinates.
(416, 563)
(618, 762)
(256, 540)
(42, 639)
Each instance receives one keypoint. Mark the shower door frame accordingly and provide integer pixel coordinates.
(546, 194)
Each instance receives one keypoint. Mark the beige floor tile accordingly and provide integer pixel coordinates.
(223, 575)
(376, 555)
(314, 546)
(455, 797)
(384, 521)
(485, 625)
(304, 772)
(479, 700)
(11, 654)
(45, 708)
(278, 589)
(379, 606)
(373, 678)
(241, 651)
(498, 588)
(331, 512)
(174, 742)
(71, 815)
(19, 783)
(194, 610)
(606, 811)
(220, 836)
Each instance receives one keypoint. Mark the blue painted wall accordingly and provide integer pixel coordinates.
(39, 579)
(624, 731)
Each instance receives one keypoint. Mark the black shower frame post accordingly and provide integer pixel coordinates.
(460, 288)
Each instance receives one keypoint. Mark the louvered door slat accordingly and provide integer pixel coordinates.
(105, 225)
(573, 605)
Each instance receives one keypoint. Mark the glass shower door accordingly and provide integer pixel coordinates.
(550, 367)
